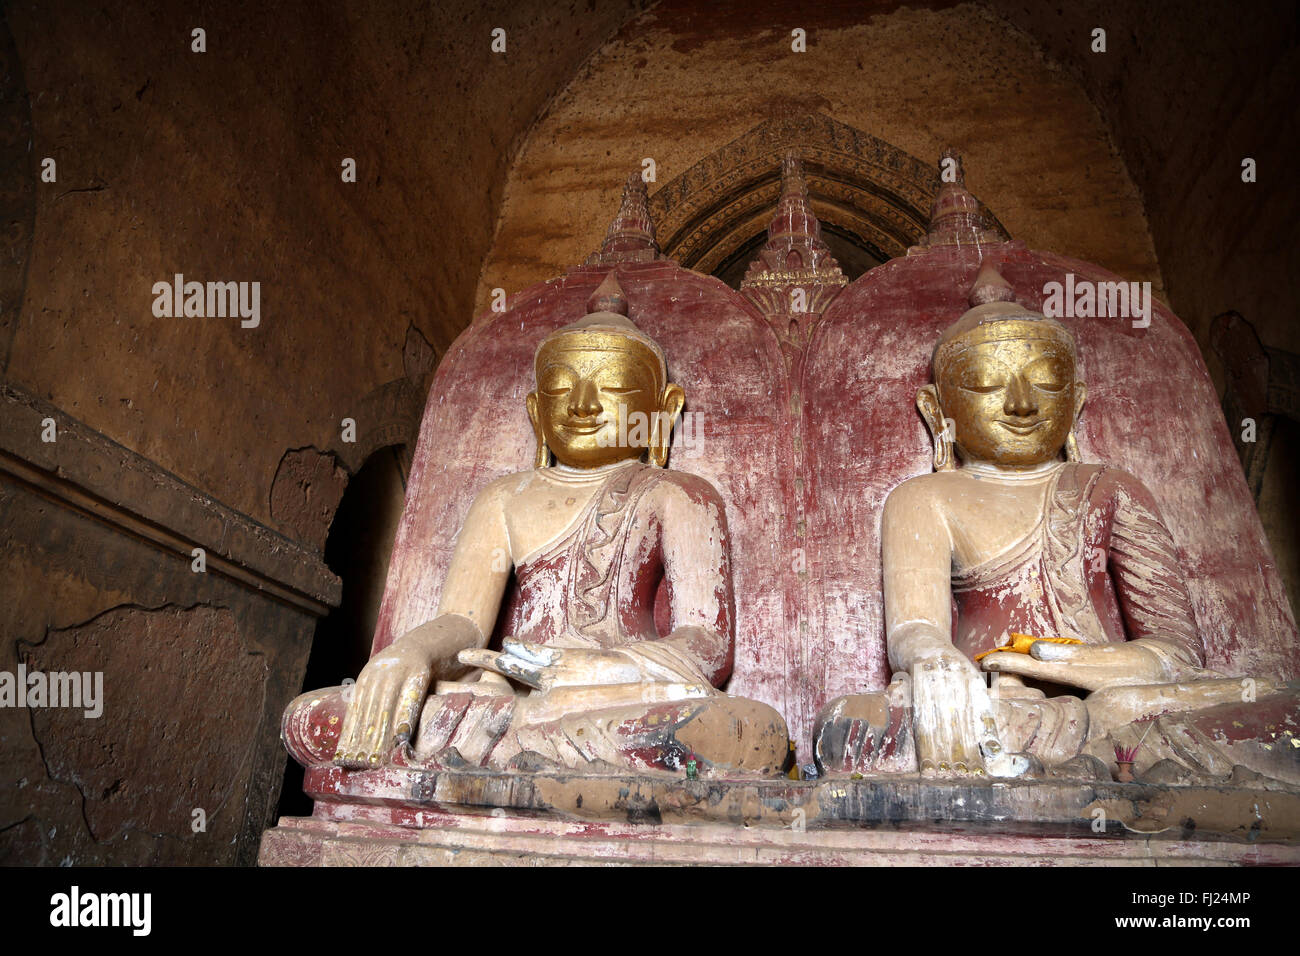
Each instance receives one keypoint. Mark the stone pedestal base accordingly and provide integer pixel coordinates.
(403, 817)
(517, 841)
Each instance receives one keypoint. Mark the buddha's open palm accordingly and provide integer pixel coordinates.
(1087, 666)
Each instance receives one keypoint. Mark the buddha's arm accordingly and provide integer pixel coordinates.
(1148, 580)
(697, 568)
(480, 565)
(472, 590)
(951, 710)
(916, 558)
(390, 690)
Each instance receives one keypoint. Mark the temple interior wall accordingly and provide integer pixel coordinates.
(920, 79)
(473, 171)
(226, 166)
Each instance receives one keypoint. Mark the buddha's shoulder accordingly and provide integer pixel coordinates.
(684, 486)
(506, 487)
(923, 489)
(1108, 481)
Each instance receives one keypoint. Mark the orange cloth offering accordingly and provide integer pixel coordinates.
(1021, 643)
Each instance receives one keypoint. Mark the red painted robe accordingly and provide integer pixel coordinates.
(597, 586)
(1099, 567)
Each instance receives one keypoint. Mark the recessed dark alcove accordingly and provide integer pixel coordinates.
(357, 550)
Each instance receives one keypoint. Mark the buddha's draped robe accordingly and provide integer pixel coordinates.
(1098, 567)
(595, 587)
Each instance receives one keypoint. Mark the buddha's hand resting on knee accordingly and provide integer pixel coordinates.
(544, 667)
(385, 702)
(952, 714)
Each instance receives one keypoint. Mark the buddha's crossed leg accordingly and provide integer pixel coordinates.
(723, 735)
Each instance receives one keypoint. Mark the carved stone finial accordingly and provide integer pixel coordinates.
(608, 297)
(631, 236)
(956, 218)
(795, 271)
(990, 286)
(794, 217)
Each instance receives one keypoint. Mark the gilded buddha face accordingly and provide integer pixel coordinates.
(601, 398)
(1006, 391)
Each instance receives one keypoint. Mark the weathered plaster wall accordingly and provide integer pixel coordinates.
(1188, 90)
(685, 79)
(225, 165)
(190, 662)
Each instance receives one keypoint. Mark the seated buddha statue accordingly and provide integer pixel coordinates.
(593, 534)
(1062, 576)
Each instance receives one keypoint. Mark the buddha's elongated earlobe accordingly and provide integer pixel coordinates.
(661, 430)
(543, 457)
(927, 400)
(1072, 443)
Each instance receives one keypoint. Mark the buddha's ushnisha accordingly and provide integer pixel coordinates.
(584, 677)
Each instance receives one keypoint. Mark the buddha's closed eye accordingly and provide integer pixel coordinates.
(987, 388)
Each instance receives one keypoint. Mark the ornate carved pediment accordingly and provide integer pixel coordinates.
(867, 194)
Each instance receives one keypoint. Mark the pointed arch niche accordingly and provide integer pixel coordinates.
(873, 199)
